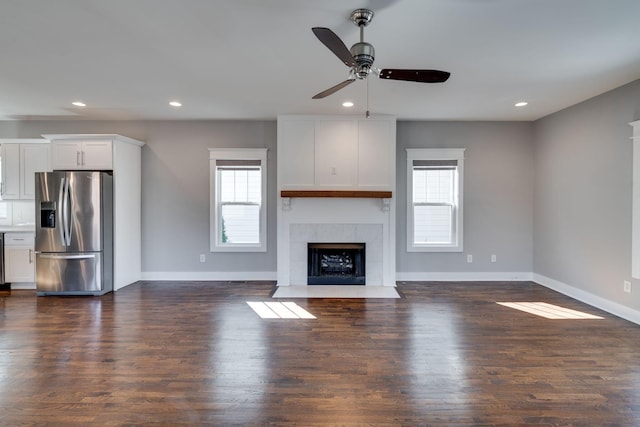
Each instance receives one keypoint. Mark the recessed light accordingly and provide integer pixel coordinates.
(175, 104)
(521, 104)
(79, 104)
(347, 104)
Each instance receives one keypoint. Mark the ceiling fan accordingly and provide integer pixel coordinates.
(361, 56)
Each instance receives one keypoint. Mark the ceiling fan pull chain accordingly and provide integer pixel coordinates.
(367, 115)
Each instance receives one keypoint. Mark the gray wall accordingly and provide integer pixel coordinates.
(498, 195)
(175, 185)
(582, 202)
(175, 180)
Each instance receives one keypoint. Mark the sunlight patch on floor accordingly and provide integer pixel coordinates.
(549, 311)
(279, 310)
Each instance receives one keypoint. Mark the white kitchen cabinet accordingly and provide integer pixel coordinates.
(19, 163)
(10, 186)
(33, 158)
(19, 259)
(82, 155)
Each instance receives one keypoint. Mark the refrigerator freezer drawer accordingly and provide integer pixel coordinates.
(69, 273)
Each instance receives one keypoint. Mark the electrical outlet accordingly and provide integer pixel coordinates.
(202, 258)
(627, 286)
(469, 258)
(494, 258)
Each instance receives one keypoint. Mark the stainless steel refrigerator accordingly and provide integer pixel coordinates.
(74, 233)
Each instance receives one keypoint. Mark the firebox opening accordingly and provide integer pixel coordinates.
(336, 263)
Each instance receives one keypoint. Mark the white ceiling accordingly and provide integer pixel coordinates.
(255, 59)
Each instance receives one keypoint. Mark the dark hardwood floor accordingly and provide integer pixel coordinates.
(196, 354)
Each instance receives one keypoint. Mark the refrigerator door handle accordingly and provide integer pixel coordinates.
(80, 256)
(62, 225)
(67, 211)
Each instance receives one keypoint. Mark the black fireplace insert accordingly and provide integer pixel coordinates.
(336, 264)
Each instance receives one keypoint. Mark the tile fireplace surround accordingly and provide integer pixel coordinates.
(369, 234)
(339, 220)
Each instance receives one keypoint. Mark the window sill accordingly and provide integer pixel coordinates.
(435, 249)
(236, 249)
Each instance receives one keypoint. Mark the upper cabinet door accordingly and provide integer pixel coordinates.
(82, 155)
(97, 155)
(65, 155)
(33, 158)
(10, 187)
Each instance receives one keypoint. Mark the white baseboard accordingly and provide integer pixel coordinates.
(589, 298)
(209, 275)
(463, 276)
(23, 286)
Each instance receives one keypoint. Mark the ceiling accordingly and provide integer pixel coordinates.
(256, 59)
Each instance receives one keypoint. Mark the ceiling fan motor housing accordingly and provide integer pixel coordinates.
(364, 55)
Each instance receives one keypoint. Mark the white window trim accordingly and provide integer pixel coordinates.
(435, 154)
(635, 212)
(236, 154)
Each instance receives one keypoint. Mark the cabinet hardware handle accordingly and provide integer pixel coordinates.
(30, 256)
(78, 158)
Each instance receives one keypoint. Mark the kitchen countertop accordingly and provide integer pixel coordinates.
(17, 228)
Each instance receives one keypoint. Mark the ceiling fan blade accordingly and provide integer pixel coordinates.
(421, 76)
(333, 89)
(335, 45)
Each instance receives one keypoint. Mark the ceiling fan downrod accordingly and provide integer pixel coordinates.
(363, 53)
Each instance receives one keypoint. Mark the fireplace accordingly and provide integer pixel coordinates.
(336, 263)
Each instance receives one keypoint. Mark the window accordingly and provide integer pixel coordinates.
(238, 199)
(434, 200)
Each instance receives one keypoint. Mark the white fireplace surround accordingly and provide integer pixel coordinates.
(351, 161)
(336, 220)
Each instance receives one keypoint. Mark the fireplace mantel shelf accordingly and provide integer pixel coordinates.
(342, 193)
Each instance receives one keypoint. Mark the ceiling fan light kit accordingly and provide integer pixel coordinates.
(361, 56)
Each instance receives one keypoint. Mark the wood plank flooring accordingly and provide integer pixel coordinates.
(170, 353)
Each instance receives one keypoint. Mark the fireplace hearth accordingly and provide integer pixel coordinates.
(336, 264)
